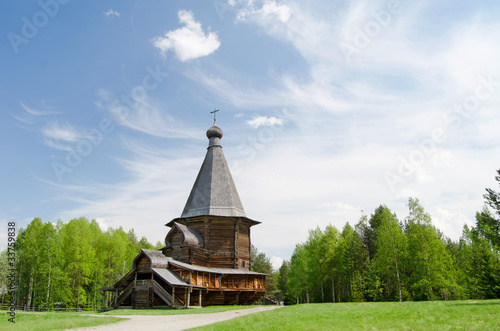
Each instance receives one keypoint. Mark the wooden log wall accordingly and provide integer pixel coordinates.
(244, 246)
(199, 256)
(226, 243)
(144, 264)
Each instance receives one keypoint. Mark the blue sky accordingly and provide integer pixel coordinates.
(329, 109)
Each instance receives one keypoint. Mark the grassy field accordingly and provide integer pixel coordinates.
(436, 315)
(52, 321)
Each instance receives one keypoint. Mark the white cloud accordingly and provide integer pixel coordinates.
(111, 12)
(276, 261)
(189, 42)
(353, 122)
(38, 112)
(103, 223)
(264, 121)
(61, 132)
(450, 223)
(270, 11)
(144, 116)
(155, 191)
(282, 11)
(31, 115)
(58, 145)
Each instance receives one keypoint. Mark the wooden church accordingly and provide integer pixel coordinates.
(206, 259)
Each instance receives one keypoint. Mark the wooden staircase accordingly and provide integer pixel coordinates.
(124, 295)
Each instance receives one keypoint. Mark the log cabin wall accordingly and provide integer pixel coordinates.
(181, 254)
(222, 236)
(144, 265)
(199, 256)
(176, 239)
(200, 224)
(222, 243)
(226, 242)
(244, 246)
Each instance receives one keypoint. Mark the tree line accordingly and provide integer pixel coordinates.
(64, 264)
(383, 258)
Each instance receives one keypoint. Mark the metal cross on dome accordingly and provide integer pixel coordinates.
(214, 112)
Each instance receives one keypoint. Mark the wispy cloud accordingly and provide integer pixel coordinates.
(58, 145)
(60, 136)
(360, 119)
(61, 132)
(189, 42)
(112, 13)
(264, 121)
(155, 191)
(270, 11)
(30, 115)
(38, 112)
(144, 116)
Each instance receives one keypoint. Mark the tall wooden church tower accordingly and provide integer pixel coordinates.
(206, 259)
(219, 231)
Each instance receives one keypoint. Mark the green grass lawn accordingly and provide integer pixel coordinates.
(436, 315)
(174, 311)
(52, 321)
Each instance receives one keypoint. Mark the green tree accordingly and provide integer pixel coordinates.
(297, 281)
(334, 242)
(488, 227)
(29, 254)
(353, 262)
(80, 240)
(480, 266)
(282, 280)
(261, 263)
(493, 198)
(430, 266)
(116, 254)
(317, 262)
(4, 283)
(391, 252)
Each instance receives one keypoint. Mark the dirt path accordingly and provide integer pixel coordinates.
(173, 322)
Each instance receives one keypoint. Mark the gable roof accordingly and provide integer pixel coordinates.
(214, 192)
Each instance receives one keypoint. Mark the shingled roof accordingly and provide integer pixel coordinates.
(214, 192)
(191, 237)
(158, 260)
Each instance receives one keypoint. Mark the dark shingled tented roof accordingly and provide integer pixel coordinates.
(214, 192)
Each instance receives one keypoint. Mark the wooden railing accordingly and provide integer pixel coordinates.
(126, 292)
(162, 293)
